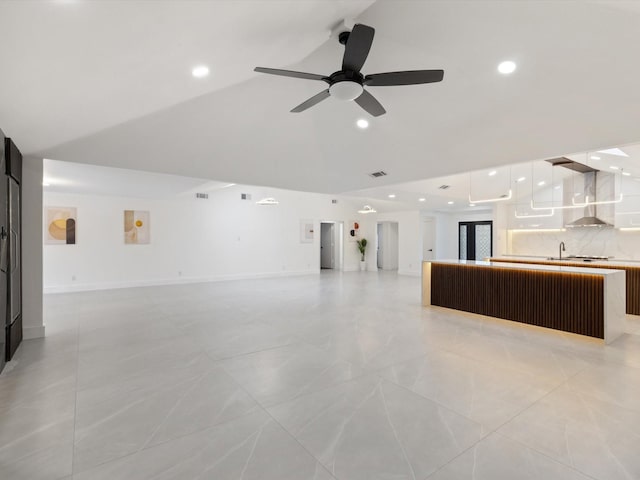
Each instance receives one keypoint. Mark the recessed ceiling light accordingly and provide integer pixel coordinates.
(541, 183)
(595, 157)
(492, 173)
(422, 199)
(613, 167)
(507, 67)
(450, 203)
(626, 174)
(362, 123)
(521, 179)
(472, 204)
(391, 195)
(200, 71)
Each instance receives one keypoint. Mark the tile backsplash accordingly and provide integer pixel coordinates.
(622, 245)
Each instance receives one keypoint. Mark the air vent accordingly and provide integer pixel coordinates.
(444, 187)
(378, 174)
(245, 196)
(334, 201)
(204, 196)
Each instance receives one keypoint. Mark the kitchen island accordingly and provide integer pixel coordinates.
(632, 269)
(586, 301)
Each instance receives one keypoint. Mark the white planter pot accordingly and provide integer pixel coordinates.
(363, 266)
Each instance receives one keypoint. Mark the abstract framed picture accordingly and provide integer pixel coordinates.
(137, 230)
(60, 225)
(353, 231)
(306, 231)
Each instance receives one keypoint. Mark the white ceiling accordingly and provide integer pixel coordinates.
(70, 177)
(531, 180)
(537, 178)
(109, 83)
(75, 67)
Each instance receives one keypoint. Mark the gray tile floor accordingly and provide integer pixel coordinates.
(335, 376)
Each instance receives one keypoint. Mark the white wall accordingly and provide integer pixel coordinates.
(32, 320)
(193, 240)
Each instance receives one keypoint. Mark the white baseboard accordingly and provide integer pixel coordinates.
(32, 332)
(87, 287)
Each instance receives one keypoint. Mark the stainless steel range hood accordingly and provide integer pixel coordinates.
(590, 193)
(590, 218)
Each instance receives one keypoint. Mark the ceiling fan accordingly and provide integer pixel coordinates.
(348, 83)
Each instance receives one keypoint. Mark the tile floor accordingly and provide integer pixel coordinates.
(335, 376)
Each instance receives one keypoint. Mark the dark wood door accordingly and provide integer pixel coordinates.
(475, 240)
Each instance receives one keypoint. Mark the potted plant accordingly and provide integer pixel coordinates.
(362, 246)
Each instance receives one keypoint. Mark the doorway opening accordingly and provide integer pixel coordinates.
(331, 245)
(475, 240)
(387, 245)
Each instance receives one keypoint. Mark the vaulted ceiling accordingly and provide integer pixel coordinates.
(109, 83)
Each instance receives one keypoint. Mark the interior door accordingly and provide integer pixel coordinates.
(380, 250)
(428, 240)
(326, 245)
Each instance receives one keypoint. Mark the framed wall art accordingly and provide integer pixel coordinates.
(60, 225)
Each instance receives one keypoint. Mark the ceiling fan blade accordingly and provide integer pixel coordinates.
(312, 101)
(357, 47)
(370, 104)
(291, 73)
(410, 77)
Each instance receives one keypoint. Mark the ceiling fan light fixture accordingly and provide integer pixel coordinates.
(348, 83)
(346, 90)
(362, 123)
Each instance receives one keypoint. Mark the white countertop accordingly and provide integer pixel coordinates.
(531, 266)
(622, 263)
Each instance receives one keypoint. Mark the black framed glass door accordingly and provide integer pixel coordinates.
(475, 240)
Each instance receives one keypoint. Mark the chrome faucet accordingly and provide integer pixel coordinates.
(561, 249)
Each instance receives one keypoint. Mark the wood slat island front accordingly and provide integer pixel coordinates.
(632, 288)
(577, 300)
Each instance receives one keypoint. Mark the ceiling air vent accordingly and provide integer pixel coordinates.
(378, 174)
(245, 196)
(334, 201)
(204, 196)
(444, 187)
